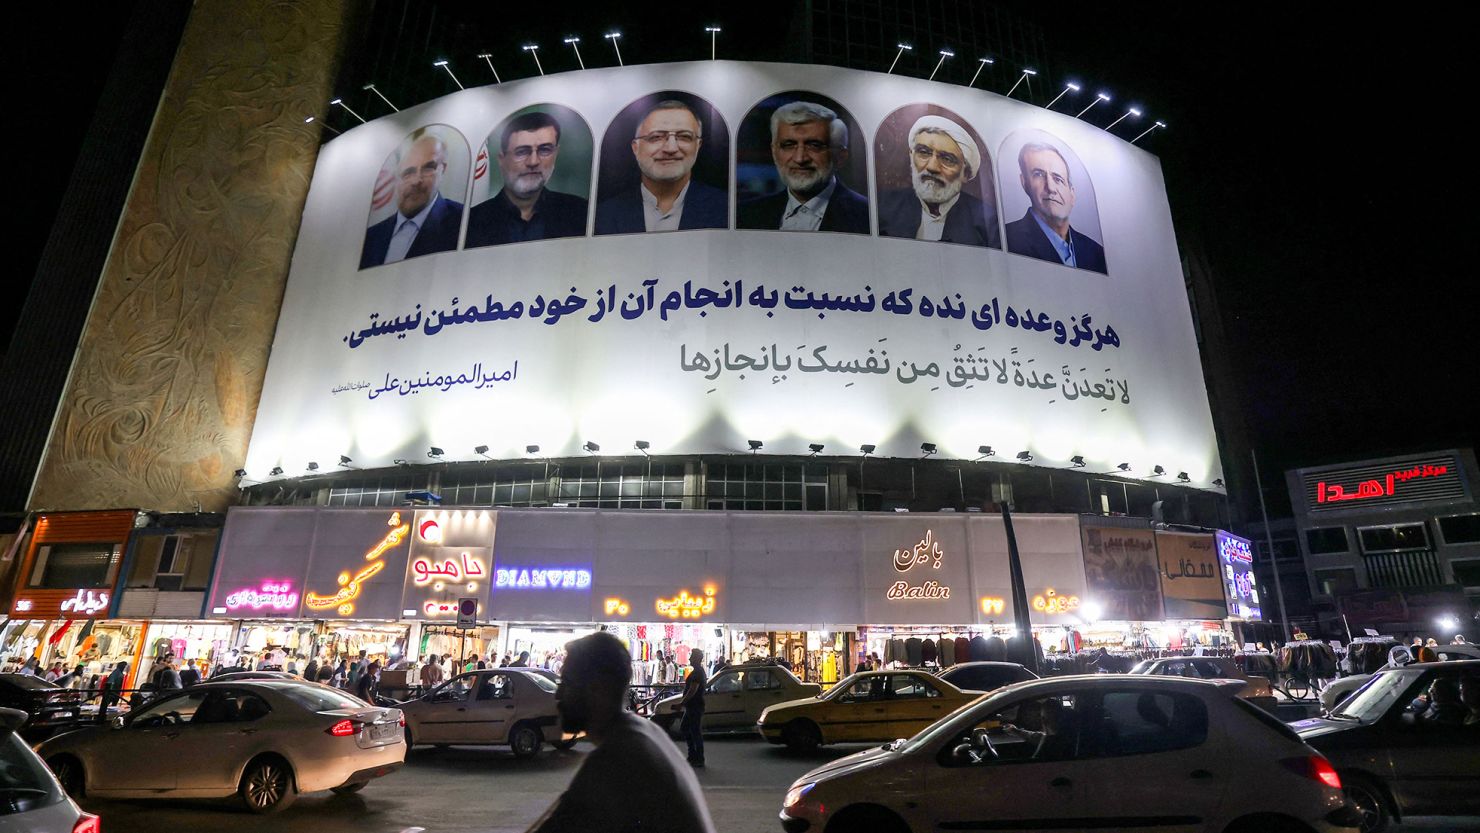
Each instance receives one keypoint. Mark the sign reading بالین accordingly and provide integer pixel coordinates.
(926, 551)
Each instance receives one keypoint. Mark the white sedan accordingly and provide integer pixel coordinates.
(513, 706)
(263, 740)
(1089, 752)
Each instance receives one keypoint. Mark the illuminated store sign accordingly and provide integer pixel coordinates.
(616, 607)
(435, 607)
(926, 551)
(425, 571)
(1236, 560)
(350, 586)
(559, 578)
(430, 531)
(684, 606)
(993, 605)
(86, 602)
(24, 606)
(273, 595)
(1428, 478)
(1049, 601)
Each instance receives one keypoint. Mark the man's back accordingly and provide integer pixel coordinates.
(601, 797)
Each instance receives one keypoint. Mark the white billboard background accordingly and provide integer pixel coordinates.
(622, 378)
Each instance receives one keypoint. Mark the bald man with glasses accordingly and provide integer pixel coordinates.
(667, 198)
(526, 208)
(425, 222)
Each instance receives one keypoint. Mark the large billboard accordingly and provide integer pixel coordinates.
(697, 255)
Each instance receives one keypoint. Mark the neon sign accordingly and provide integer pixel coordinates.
(437, 608)
(349, 587)
(616, 607)
(516, 578)
(685, 606)
(427, 571)
(277, 595)
(24, 605)
(1242, 589)
(993, 606)
(430, 531)
(927, 550)
(1051, 602)
(1376, 487)
(85, 602)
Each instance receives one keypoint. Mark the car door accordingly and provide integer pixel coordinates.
(1012, 769)
(914, 703)
(859, 713)
(492, 709)
(144, 754)
(1435, 757)
(443, 717)
(220, 739)
(724, 700)
(763, 688)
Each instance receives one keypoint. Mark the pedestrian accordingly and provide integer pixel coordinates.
(340, 676)
(368, 683)
(629, 750)
(522, 661)
(326, 672)
(692, 704)
(165, 677)
(189, 676)
(431, 673)
(32, 667)
(112, 690)
(311, 671)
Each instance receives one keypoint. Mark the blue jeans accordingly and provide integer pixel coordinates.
(693, 734)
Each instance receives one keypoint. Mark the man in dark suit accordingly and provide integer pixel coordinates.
(1044, 231)
(808, 143)
(666, 198)
(425, 221)
(943, 158)
(525, 208)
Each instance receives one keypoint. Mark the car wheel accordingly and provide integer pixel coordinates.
(525, 740)
(349, 789)
(68, 771)
(1370, 801)
(801, 735)
(409, 741)
(267, 785)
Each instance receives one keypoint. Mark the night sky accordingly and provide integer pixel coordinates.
(1312, 155)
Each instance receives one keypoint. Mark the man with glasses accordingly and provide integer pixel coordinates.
(808, 144)
(425, 221)
(943, 157)
(525, 208)
(665, 146)
(1044, 231)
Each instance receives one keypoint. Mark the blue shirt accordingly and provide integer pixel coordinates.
(1060, 245)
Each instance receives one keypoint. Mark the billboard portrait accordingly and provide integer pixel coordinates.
(1049, 201)
(416, 205)
(935, 178)
(664, 167)
(532, 179)
(1120, 571)
(795, 169)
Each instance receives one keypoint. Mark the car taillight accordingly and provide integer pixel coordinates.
(88, 824)
(1315, 768)
(402, 721)
(344, 729)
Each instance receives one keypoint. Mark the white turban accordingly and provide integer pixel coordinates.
(939, 124)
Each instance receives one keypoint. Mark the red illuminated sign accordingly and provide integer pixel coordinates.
(1377, 487)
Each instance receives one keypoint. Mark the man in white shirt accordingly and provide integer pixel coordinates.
(943, 157)
(634, 781)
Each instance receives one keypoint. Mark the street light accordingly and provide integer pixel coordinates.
(981, 65)
(1148, 130)
(713, 33)
(312, 466)
(903, 48)
(575, 43)
(1098, 98)
(443, 64)
(1021, 78)
(944, 54)
(310, 120)
(435, 453)
(816, 449)
(590, 447)
(488, 58)
(1131, 112)
(277, 471)
(1025, 456)
(1077, 461)
(340, 102)
(372, 88)
(481, 451)
(614, 37)
(643, 446)
(1067, 87)
(534, 49)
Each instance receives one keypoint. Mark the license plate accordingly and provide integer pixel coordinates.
(382, 731)
(64, 714)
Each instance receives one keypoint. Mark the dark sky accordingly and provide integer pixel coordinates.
(1313, 154)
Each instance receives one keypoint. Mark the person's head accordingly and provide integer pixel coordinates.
(666, 143)
(419, 177)
(1432, 643)
(373, 669)
(432, 660)
(1469, 692)
(528, 148)
(1044, 174)
(696, 658)
(943, 157)
(808, 142)
(121, 667)
(594, 682)
(1444, 691)
(524, 656)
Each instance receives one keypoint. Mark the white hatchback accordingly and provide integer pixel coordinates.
(1090, 752)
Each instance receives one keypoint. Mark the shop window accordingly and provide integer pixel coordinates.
(1335, 582)
(1326, 541)
(1109, 497)
(1391, 538)
(1467, 572)
(64, 566)
(1460, 529)
(172, 562)
(384, 491)
(1144, 723)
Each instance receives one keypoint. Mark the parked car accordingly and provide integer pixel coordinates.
(1256, 689)
(736, 696)
(233, 676)
(869, 706)
(1083, 752)
(48, 706)
(1397, 754)
(263, 740)
(1339, 690)
(986, 676)
(495, 707)
(30, 797)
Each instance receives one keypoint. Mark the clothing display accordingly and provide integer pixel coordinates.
(912, 651)
(930, 652)
(947, 651)
(1312, 658)
(1368, 654)
(996, 649)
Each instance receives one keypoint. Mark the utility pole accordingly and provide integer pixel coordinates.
(1279, 592)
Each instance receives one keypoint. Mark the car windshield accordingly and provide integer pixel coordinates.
(320, 698)
(24, 782)
(1372, 700)
(543, 682)
(1143, 667)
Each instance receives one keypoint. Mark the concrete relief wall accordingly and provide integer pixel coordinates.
(161, 400)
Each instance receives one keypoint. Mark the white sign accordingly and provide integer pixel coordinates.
(1039, 305)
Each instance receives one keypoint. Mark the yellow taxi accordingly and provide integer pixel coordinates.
(868, 707)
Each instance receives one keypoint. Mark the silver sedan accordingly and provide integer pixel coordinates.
(263, 740)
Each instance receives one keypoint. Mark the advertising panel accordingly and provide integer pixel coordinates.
(1191, 587)
(1120, 570)
(916, 570)
(700, 254)
(1434, 477)
(1053, 568)
(262, 563)
(451, 558)
(1236, 566)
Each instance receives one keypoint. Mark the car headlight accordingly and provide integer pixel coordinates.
(795, 795)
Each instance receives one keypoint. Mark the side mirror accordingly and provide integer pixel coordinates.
(117, 722)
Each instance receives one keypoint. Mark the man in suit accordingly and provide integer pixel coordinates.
(808, 144)
(943, 158)
(1044, 231)
(667, 198)
(425, 221)
(525, 208)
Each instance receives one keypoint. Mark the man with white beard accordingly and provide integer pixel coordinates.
(667, 198)
(943, 157)
(526, 208)
(1044, 231)
(808, 144)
